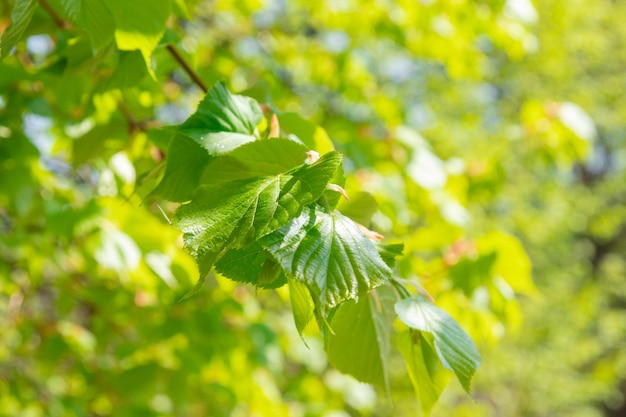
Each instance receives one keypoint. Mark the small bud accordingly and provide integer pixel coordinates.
(339, 189)
(370, 234)
(311, 157)
(274, 127)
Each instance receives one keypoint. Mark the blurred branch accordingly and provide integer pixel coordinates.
(53, 14)
(192, 74)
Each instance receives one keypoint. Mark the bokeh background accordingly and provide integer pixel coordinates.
(491, 133)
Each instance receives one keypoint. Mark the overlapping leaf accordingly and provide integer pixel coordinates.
(139, 24)
(454, 348)
(329, 253)
(94, 17)
(221, 123)
(428, 376)
(237, 213)
(360, 345)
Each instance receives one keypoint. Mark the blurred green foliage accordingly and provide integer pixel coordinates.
(491, 134)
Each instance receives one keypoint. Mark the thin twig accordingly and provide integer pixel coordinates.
(53, 14)
(194, 76)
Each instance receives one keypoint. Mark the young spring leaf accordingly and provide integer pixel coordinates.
(94, 17)
(360, 345)
(329, 253)
(139, 24)
(428, 376)
(255, 159)
(454, 348)
(221, 123)
(236, 213)
(301, 304)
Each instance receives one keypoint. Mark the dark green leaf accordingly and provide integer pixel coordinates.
(185, 162)
(454, 347)
(251, 265)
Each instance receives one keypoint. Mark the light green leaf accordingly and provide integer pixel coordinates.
(310, 134)
(139, 24)
(389, 252)
(236, 213)
(94, 17)
(427, 375)
(454, 347)
(254, 159)
(330, 255)
(360, 345)
(221, 123)
(21, 15)
(360, 208)
(301, 304)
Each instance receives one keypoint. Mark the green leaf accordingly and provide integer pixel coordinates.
(389, 252)
(254, 159)
(427, 375)
(455, 349)
(185, 161)
(21, 15)
(129, 71)
(251, 265)
(310, 134)
(330, 255)
(221, 123)
(94, 17)
(139, 24)
(221, 111)
(301, 304)
(360, 345)
(236, 213)
(360, 208)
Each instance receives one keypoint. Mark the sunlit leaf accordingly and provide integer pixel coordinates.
(455, 349)
(329, 253)
(428, 376)
(236, 213)
(139, 24)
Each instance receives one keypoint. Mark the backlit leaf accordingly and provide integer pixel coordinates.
(428, 376)
(360, 345)
(453, 346)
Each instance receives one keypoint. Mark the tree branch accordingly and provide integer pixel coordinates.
(53, 14)
(192, 74)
